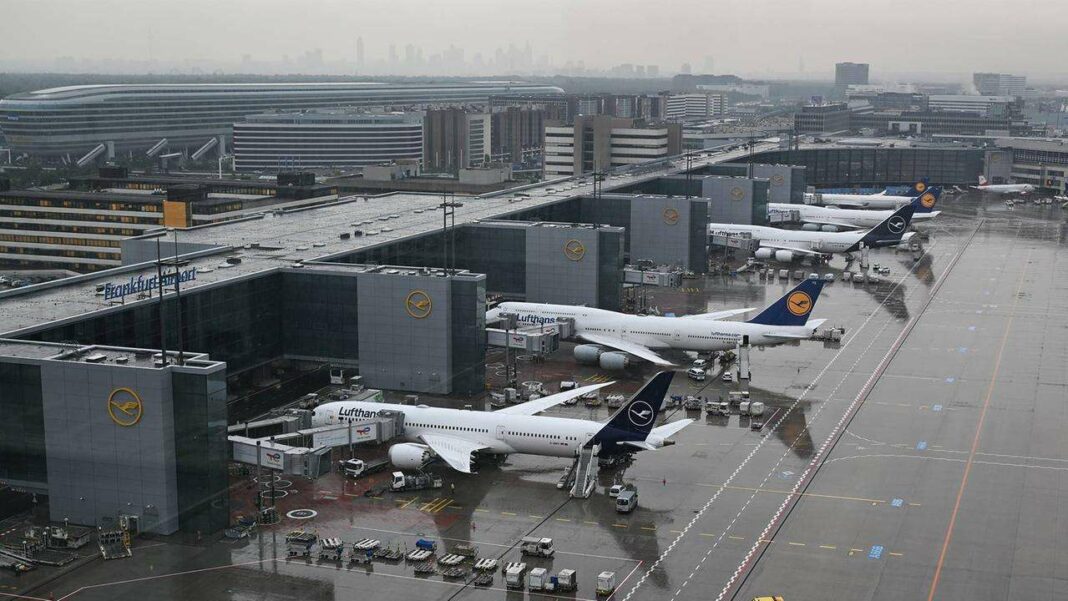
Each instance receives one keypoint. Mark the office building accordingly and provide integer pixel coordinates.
(598, 143)
(325, 139)
(987, 106)
(846, 74)
(516, 133)
(135, 117)
(690, 107)
(81, 228)
(999, 84)
(1042, 163)
(822, 118)
(455, 138)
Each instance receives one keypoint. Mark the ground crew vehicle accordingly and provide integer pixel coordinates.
(515, 576)
(401, 481)
(357, 468)
(627, 501)
(537, 546)
(606, 583)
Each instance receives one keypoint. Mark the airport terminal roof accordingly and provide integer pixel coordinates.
(284, 238)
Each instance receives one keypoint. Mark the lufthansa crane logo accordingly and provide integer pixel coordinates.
(777, 180)
(574, 250)
(799, 303)
(921, 187)
(125, 407)
(640, 413)
(418, 304)
(671, 216)
(737, 193)
(896, 224)
(927, 200)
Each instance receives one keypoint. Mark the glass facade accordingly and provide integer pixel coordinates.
(201, 451)
(831, 167)
(240, 323)
(22, 440)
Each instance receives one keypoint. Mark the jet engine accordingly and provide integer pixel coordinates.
(588, 353)
(784, 256)
(811, 227)
(410, 456)
(764, 254)
(614, 361)
(829, 228)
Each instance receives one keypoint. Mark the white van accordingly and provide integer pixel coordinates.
(627, 501)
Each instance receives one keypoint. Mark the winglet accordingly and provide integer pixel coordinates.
(793, 308)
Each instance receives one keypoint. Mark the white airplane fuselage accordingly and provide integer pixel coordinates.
(868, 201)
(500, 433)
(817, 242)
(1006, 188)
(860, 218)
(654, 332)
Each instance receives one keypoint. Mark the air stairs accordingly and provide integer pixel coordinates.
(585, 472)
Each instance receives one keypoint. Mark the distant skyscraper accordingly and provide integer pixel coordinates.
(686, 68)
(359, 54)
(849, 74)
(999, 84)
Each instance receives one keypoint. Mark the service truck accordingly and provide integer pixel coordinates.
(402, 481)
(358, 468)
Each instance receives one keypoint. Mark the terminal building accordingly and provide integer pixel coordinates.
(121, 118)
(326, 139)
(360, 283)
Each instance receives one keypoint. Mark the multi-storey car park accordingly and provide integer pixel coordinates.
(76, 119)
(326, 139)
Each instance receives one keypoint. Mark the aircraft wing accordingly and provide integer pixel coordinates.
(539, 405)
(669, 430)
(455, 451)
(834, 222)
(662, 432)
(805, 251)
(719, 314)
(849, 204)
(812, 324)
(627, 347)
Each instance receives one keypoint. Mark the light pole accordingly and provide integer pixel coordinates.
(233, 162)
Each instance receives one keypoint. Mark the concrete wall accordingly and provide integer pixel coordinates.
(564, 263)
(998, 166)
(781, 179)
(660, 230)
(407, 325)
(736, 199)
(143, 250)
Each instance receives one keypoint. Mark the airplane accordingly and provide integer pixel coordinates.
(1003, 188)
(832, 219)
(454, 435)
(881, 200)
(786, 245)
(643, 335)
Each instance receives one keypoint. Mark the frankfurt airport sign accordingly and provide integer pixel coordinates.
(143, 284)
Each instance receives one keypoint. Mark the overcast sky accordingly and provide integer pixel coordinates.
(741, 36)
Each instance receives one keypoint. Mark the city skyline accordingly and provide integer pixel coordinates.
(479, 38)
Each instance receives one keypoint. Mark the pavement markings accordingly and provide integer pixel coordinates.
(507, 513)
(648, 527)
(787, 492)
(978, 431)
(828, 547)
(796, 544)
(563, 519)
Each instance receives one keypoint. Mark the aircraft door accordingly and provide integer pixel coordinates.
(500, 432)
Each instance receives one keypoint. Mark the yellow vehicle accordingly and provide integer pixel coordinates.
(776, 598)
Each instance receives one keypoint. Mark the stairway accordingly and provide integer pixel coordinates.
(586, 475)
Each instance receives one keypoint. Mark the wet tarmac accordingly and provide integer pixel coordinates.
(922, 457)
